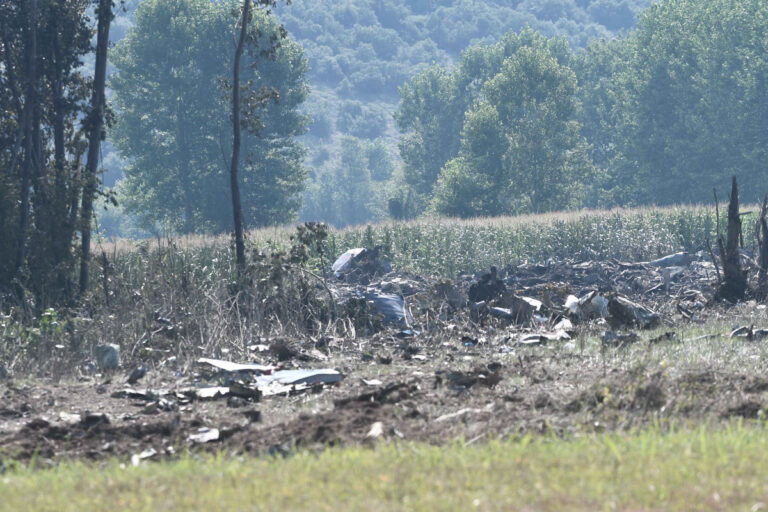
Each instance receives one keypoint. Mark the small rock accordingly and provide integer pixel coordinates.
(137, 374)
(253, 415)
(235, 401)
(107, 356)
(93, 419)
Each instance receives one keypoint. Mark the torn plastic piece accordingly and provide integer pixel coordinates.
(679, 259)
(392, 307)
(625, 312)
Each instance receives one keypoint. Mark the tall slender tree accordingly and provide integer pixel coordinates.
(95, 135)
(234, 183)
(43, 98)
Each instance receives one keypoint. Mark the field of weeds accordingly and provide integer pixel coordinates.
(416, 341)
(449, 246)
(139, 286)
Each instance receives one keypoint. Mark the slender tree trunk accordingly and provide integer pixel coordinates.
(61, 233)
(184, 166)
(29, 132)
(762, 238)
(22, 112)
(95, 135)
(233, 172)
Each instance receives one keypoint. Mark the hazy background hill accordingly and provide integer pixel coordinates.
(361, 51)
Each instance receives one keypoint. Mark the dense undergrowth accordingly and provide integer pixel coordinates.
(171, 298)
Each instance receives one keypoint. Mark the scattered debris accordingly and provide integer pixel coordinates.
(667, 336)
(146, 454)
(228, 366)
(612, 339)
(297, 377)
(679, 259)
(361, 264)
(392, 308)
(750, 333)
(205, 435)
(624, 312)
(69, 418)
(488, 287)
(541, 338)
(376, 430)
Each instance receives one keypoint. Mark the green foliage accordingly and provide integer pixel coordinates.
(691, 103)
(350, 189)
(519, 149)
(449, 246)
(173, 117)
(43, 112)
(359, 52)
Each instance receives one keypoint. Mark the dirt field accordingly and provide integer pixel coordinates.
(458, 374)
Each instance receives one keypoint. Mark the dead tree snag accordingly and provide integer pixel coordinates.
(734, 285)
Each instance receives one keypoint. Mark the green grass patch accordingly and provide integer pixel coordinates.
(705, 468)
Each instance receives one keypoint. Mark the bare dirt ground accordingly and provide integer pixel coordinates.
(466, 374)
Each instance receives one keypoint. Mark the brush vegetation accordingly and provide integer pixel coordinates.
(445, 246)
(190, 281)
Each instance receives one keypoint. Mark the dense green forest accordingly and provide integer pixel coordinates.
(358, 55)
(664, 115)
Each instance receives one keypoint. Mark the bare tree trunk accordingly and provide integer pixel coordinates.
(734, 280)
(29, 132)
(184, 166)
(60, 230)
(762, 248)
(95, 135)
(237, 209)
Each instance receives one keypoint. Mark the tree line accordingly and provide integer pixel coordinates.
(659, 116)
(52, 119)
(54, 116)
(526, 124)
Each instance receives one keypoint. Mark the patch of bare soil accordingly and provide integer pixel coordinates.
(477, 359)
(436, 400)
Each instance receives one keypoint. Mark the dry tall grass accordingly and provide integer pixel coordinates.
(175, 297)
